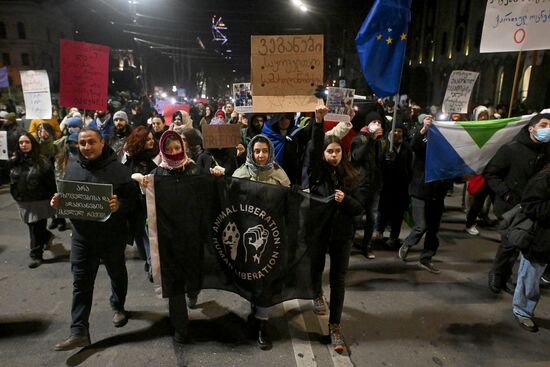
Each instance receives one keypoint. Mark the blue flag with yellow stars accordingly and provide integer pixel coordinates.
(381, 43)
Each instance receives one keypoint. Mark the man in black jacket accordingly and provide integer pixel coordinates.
(507, 174)
(428, 202)
(93, 242)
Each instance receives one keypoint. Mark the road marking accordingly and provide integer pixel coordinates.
(303, 353)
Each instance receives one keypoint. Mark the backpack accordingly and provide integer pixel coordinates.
(516, 227)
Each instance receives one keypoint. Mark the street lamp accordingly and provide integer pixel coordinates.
(300, 4)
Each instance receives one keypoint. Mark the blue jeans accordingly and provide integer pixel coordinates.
(527, 292)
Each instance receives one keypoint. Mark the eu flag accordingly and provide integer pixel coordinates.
(381, 45)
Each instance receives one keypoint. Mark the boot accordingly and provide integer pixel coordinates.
(264, 341)
(74, 341)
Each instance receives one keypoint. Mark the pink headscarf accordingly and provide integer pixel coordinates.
(172, 161)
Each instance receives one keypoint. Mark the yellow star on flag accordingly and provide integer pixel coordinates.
(403, 37)
(378, 37)
(389, 40)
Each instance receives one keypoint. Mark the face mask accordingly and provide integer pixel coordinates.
(373, 127)
(543, 135)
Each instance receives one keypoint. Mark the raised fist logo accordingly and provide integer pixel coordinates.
(255, 239)
(230, 238)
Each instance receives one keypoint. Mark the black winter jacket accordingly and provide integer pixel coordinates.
(536, 205)
(30, 181)
(107, 170)
(435, 190)
(323, 181)
(511, 168)
(367, 155)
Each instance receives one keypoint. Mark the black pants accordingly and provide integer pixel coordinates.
(477, 205)
(85, 259)
(39, 237)
(177, 308)
(339, 252)
(391, 210)
(505, 258)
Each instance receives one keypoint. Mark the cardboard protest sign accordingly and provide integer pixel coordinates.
(459, 89)
(221, 136)
(242, 94)
(168, 110)
(339, 104)
(36, 93)
(285, 72)
(84, 200)
(515, 25)
(4, 146)
(84, 75)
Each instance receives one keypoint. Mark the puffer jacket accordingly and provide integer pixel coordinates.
(32, 181)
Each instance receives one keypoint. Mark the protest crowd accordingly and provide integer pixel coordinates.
(372, 172)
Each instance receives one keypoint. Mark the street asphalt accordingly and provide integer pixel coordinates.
(395, 314)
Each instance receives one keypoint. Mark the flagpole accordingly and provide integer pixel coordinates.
(518, 62)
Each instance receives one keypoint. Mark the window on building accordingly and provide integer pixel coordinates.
(21, 31)
(525, 82)
(3, 34)
(25, 59)
(443, 50)
(6, 59)
(459, 40)
(499, 84)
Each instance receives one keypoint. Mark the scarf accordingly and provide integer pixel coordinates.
(173, 161)
(251, 163)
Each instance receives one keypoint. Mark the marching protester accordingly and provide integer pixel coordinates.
(119, 135)
(142, 156)
(32, 184)
(332, 175)
(158, 127)
(260, 166)
(174, 162)
(428, 203)
(535, 256)
(180, 120)
(208, 115)
(367, 153)
(394, 195)
(507, 173)
(94, 242)
(103, 122)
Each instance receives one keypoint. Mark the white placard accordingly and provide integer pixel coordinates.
(242, 95)
(339, 104)
(4, 146)
(459, 89)
(36, 93)
(512, 25)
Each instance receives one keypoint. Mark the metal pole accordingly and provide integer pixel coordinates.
(518, 62)
(394, 120)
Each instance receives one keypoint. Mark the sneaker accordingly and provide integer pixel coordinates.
(74, 341)
(527, 323)
(35, 263)
(494, 283)
(319, 306)
(403, 252)
(472, 230)
(336, 337)
(427, 265)
(120, 318)
(192, 300)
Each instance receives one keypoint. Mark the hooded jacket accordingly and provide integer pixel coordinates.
(510, 169)
(107, 170)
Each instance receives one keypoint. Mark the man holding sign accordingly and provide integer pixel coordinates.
(95, 241)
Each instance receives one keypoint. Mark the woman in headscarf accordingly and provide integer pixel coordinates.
(260, 166)
(174, 162)
(180, 121)
(32, 184)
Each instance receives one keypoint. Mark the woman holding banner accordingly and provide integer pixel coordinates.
(32, 184)
(260, 166)
(331, 175)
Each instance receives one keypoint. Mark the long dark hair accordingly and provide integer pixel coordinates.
(35, 148)
(345, 170)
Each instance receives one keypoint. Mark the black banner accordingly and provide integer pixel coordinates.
(258, 240)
